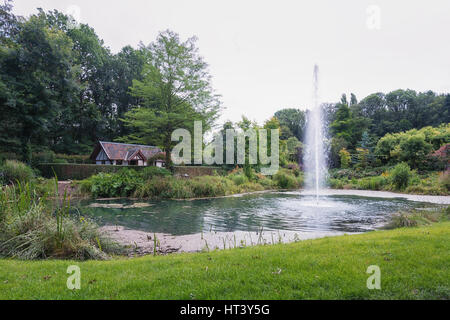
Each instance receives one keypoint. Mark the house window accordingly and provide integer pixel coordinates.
(119, 162)
(133, 163)
(103, 162)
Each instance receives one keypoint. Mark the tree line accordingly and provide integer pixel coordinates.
(62, 90)
(357, 126)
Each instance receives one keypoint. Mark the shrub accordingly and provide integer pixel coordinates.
(285, 181)
(336, 183)
(401, 175)
(265, 181)
(363, 157)
(345, 158)
(372, 183)
(121, 184)
(209, 186)
(158, 188)
(150, 172)
(239, 179)
(444, 179)
(12, 171)
(177, 188)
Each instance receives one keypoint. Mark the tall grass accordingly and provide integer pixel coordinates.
(13, 171)
(33, 227)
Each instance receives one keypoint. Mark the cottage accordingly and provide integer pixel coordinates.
(122, 154)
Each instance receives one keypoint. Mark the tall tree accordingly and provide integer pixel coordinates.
(293, 120)
(175, 91)
(40, 82)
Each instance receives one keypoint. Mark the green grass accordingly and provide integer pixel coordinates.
(414, 262)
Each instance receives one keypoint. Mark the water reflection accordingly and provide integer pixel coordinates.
(272, 211)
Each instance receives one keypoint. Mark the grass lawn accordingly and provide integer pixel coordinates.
(414, 263)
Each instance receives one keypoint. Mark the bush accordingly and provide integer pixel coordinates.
(444, 179)
(401, 175)
(32, 228)
(265, 181)
(12, 171)
(372, 183)
(239, 179)
(285, 181)
(150, 172)
(336, 183)
(177, 188)
(121, 184)
(345, 158)
(209, 186)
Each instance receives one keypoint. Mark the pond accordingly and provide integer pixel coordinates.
(278, 211)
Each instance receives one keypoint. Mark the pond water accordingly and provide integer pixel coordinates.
(287, 211)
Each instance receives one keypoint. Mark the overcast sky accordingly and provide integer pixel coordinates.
(261, 53)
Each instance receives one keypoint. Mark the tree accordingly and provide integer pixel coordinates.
(40, 85)
(345, 158)
(367, 143)
(342, 125)
(337, 144)
(415, 149)
(293, 144)
(292, 122)
(174, 92)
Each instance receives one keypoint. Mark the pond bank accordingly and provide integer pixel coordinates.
(143, 243)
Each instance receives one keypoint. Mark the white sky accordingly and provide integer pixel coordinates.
(261, 53)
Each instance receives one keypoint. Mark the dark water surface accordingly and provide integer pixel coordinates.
(272, 211)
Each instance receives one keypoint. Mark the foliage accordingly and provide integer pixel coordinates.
(174, 92)
(150, 172)
(363, 157)
(33, 228)
(431, 183)
(120, 184)
(15, 171)
(160, 184)
(401, 175)
(412, 146)
(444, 179)
(239, 179)
(345, 158)
(292, 123)
(418, 218)
(284, 180)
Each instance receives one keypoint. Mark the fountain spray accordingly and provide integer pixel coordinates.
(314, 155)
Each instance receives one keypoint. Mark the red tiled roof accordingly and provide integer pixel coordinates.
(123, 151)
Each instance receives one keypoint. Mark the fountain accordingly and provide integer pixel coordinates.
(315, 153)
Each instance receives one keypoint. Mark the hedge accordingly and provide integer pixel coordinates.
(71, 171)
